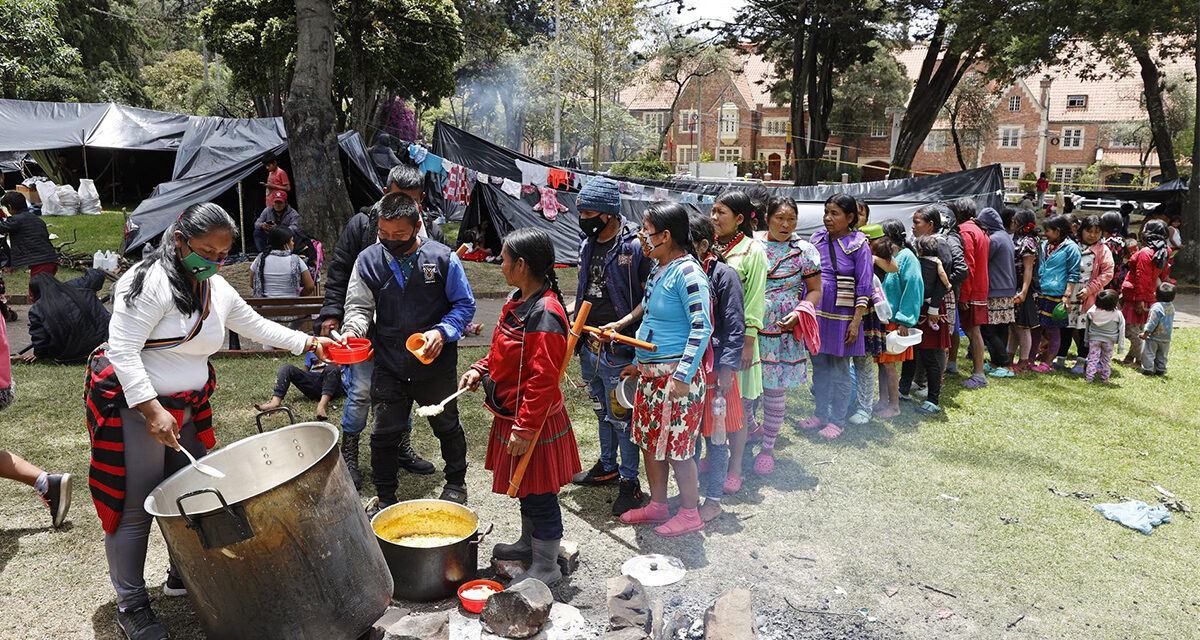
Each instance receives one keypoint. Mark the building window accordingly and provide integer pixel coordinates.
(1072, 138)
(880, 130)
(729, 120)
(833, 155)
(656, 121)
(1011, 172)
(1014, 103)
(1010, 137)
(1066, 175)
(775, 127)
(729, 154)
(1077, 102)
(685, 155)
(936, 141)
(688, 122)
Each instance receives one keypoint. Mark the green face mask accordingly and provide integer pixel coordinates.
(199, 266)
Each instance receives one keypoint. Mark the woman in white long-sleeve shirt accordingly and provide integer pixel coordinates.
(147, 392)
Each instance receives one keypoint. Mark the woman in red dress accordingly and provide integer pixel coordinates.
(520, 378)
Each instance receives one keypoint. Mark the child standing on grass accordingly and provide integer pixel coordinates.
(1156, 335)
(1143, 272)
(1105, 333)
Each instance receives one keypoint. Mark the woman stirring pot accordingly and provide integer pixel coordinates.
(147, 391)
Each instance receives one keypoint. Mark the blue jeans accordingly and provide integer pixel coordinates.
(832, 390)
(262, 239)
(358, 398)
(603, 374)
(718, 468)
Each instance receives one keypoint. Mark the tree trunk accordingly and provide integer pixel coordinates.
(312, 139)
(953, 114)
(1152, 86)
(597, 111)
(806, 173)
(1191, 213)
(359, 107)
(930, 93)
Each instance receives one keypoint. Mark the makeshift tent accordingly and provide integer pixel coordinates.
(216, 155)
(124, 149)
(1169, 191)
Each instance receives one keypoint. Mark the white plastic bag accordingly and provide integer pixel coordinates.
(68, 199)
(48, 192)
(89, 198)
(883, 309)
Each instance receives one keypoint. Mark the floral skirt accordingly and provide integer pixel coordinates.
(1001, 311)
(665, 428)
(874, 337)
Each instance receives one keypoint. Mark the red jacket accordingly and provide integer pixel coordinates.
(1141, 279)
(975, 250)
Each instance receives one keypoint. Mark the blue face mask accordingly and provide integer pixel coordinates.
(200, 267)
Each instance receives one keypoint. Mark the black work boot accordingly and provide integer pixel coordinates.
(596, 476)
(630, 497)
(409, 460)
(350, 455)
(522, 549)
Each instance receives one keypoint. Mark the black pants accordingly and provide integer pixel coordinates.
(1081, 345)
(931, 361)
(391, 404)
(543, 510)
(995, 337)
(313, 384)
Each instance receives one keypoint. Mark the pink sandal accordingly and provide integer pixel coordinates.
(812, 423)
(764, 464)
(686, 521)
(830, 431)
(653, 513)
(733, 484)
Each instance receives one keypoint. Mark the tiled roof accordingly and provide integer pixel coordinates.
(1128, 158)
(752, 76)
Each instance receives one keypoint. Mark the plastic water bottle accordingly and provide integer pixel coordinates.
(718, 412)
(98, 259)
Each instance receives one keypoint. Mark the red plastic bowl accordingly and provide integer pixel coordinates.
(357, 350)
(471, 604)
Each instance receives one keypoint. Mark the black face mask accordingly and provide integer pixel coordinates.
(399, 247)
(593, 226)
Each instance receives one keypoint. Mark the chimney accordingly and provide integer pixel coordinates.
(1045, 85)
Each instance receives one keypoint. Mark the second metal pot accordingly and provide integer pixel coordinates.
(426, 573)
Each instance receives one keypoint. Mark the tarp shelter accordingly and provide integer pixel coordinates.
(217, 155)
(889, 199)
(123, 149)
(1169, 191)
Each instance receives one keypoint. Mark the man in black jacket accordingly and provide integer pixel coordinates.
(28, 235)
(361, 232)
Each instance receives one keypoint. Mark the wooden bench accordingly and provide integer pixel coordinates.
(272, 308)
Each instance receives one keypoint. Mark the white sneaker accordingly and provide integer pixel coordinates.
(860, 417)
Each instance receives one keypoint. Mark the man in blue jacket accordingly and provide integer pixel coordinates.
(612, 276)
(403, 285)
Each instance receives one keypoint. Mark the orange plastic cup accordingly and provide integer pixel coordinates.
(416, 346)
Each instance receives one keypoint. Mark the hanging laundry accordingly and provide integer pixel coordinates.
(482, 177)
(528, 189)
(549, 204)
(623, 187)
(417, 153)
(637, 191)
(458, 185)
(576, 181)
(707, 199)
(558, 178)
(498, 180)
(511, 188)
(660, 194)
(433, 166)
(534, 174)
(688, 198)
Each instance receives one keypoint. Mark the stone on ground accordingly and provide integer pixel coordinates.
(628, 606)
(568, 556)
(421, 626)
(731, 617)
(628, 633)
(519, 611)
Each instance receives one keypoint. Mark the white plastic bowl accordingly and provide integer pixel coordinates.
(896, 343)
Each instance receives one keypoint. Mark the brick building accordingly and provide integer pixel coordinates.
(1053, 122)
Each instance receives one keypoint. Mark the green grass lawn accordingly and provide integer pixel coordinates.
(910, 503)
(90, 234)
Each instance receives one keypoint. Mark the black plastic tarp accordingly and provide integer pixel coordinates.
(1168, 191)
(241, 144)
(33, 126)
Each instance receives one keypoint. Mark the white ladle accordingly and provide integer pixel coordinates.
(200, 466)
(434, 409)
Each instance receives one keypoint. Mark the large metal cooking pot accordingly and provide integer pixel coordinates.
(431, 547)
(278, 548)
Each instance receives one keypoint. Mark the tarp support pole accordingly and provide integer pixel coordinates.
(242, 216)
(82, 133)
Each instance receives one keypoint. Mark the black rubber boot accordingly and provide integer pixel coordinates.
(629, 497)
(522, 549)
(545, 562)
(350, 455)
